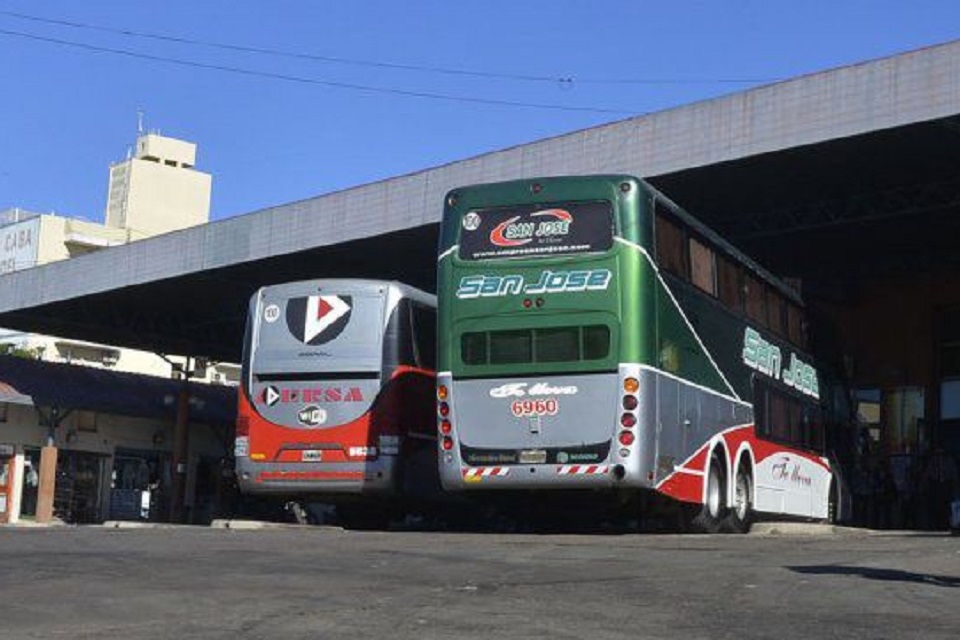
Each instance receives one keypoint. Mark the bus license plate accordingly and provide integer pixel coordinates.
(311, 456)
(535, 456)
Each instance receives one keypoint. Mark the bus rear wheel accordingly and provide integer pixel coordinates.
(833, 504)
(364, 517)
(740, 517)
(714, 509)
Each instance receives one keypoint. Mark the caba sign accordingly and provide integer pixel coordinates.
(536, 230)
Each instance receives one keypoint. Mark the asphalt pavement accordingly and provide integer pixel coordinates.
(323, 582)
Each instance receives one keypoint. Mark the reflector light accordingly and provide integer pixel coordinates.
(445, 427)
(447, 444)
(536, 187)
(442, 392)
(527, 303)
(631, 385)
(630, 402)
(628, 420)
(444, 409)
(243, 426)
(627, 438)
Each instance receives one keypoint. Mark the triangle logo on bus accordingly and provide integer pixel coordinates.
(318, 319)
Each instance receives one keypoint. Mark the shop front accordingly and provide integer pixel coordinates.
(77, 497)
(140, 482)
(7, 468)
(107, 440)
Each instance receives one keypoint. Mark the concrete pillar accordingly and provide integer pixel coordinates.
(48, 483)
(180, 449)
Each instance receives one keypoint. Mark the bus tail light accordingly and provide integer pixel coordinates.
(628, 420)
(442, 392)
(443, 409)
(243, 426)
(447, 443)
(630, 402)
(626, 438)
(631, 385)
(445, 427)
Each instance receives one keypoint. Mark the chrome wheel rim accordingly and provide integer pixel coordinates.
(741, 497)
(713, 492)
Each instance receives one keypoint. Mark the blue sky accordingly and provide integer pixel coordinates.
(68, 106)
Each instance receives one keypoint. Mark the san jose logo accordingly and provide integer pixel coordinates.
(318, 319)
(483, 286)
(517, 231)
(765, 357)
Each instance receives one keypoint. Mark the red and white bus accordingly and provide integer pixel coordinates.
(336, 398)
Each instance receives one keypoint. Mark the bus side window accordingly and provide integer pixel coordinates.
(776, 312)
(398, 348)
(425, 336)
(754, 297)
(730, 285)
(703, 271)
(795, 328)
(670, 253)
(812, 427)
(761, 409)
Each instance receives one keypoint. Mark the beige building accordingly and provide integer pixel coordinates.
(99, 442)
(155, 191)
(158, 189)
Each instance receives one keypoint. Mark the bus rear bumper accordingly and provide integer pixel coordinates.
(543, 476)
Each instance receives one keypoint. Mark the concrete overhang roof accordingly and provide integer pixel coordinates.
(823, 137)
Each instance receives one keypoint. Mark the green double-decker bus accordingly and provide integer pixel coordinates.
(593, 335)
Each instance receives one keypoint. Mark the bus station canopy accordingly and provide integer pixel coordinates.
(837, 174)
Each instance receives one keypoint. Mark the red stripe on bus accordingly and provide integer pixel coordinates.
(309, 475)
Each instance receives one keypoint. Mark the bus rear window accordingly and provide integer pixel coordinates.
(511, 347)
(536, 230)
(526, 346)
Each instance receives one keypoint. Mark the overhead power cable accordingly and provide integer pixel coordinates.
(567, 80)
(313, 81)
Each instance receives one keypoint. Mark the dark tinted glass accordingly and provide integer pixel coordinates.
(554, 344)
(425, 334)
(596, 342)
(536, 230)
(473, 348)
(558, 345)
(511, 347)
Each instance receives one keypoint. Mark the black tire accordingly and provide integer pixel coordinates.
(364, 517)
(833, 504)
(712, 513)
(740, 516)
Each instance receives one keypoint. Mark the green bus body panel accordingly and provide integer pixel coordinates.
(647, 327)
(628, 303)
(676, 385)
(680, 352)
